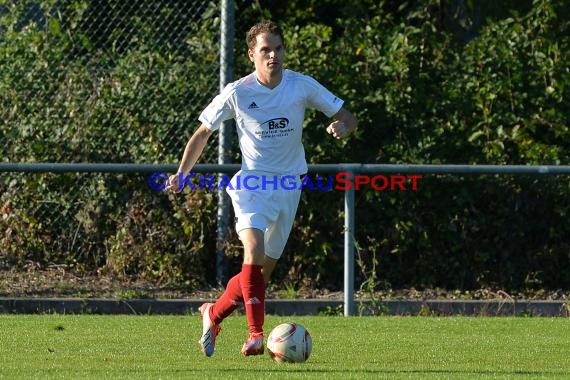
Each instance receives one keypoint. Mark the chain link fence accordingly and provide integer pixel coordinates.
(139, 49)
(101, 81)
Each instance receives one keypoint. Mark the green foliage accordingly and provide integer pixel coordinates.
(76, 103)
(430, 82)
(425, 98)
(155, 242)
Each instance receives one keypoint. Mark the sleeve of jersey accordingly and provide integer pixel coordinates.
(218, 111)
(320, 98)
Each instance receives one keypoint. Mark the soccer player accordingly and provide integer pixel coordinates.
(268, 107)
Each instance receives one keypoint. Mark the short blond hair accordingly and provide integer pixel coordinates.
(263, 27)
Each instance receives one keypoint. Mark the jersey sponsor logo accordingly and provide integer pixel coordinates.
(253, 106)
(277, 123)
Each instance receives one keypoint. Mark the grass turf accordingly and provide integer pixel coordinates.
(153, 347)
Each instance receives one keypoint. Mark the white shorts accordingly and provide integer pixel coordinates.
(267, 202)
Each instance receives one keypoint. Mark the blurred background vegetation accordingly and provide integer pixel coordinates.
(431, 81)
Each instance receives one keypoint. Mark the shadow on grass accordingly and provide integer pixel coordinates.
(292, 368)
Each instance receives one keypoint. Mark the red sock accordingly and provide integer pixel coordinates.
(228, 301)
(253, 290)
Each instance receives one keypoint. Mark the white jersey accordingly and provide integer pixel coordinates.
(270, 121)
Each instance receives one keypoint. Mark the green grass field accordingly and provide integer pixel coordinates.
(153, 347)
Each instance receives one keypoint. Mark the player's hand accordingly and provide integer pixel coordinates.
(338, 129)
(174, 184)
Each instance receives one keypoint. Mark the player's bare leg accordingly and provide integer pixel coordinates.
(268, 266)
(253, 288)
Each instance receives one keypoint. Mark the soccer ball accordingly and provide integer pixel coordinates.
(289, 343)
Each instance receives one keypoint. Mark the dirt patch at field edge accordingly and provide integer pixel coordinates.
(57, 282)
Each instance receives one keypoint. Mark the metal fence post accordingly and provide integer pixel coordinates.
(349, 307)
(224, 137)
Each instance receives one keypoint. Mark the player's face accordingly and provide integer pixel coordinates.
(268, 54)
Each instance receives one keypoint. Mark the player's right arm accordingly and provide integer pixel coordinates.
(192, 152)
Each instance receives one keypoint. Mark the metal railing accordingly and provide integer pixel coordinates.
(349, 193)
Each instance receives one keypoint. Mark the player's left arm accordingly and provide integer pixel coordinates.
(344, 124)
